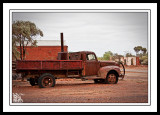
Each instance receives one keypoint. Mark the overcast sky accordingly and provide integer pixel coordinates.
(98, 32)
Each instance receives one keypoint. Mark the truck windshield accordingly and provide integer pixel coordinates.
(91, 57)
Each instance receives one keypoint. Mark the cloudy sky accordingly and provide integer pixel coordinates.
(92, 31)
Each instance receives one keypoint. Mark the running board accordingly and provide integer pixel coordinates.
(91, 78)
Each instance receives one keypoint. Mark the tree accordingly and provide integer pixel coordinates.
(15, 52)
(142, 56)
(107, 55)
(137, 49)
(129, 55)
(144, 50)
(100, 58)
(117, 56)
(23, 31)
(144, 59)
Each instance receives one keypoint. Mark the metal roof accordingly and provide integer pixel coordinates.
(47, 43)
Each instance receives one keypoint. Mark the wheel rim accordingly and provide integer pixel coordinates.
(112, 78)
(47, 81)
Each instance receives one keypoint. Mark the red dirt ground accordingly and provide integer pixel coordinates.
(132, 89)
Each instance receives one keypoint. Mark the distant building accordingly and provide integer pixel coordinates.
(129, 60)
(45, 50)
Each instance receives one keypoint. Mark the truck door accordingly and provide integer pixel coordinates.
(91, 65)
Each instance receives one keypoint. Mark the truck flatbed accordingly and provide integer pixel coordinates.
(49, 65)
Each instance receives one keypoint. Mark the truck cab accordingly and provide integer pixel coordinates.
(99, 70)
(90, 62)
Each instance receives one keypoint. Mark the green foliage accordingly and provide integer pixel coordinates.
(142, 56)
(129, 55)
(137, 49)
(15, 52)
(110, 56)
(116, 56)
(144, 51)
(100, 58)
(107, 55)
(23, 31)
(144, 59)
(140, 48)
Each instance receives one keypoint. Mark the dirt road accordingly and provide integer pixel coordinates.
(133, 89)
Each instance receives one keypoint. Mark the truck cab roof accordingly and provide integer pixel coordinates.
(82, 52)
(80, 55)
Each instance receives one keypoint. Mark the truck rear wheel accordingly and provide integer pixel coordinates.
(32, 81)
(112, 78)
(46, 80)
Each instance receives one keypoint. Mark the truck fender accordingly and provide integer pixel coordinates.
(103, 71)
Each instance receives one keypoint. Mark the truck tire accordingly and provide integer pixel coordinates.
(32, 81)
(46, 80)
(112, 78)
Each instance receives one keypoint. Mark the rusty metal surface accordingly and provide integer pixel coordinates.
(91, 68)
(75, 56)
(62, 55)
(81, 55)
(107, 63)
(49, 65)
(78, 61)
(103, 71)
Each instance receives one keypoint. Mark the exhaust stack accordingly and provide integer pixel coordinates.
(62, 55)
(62, 44)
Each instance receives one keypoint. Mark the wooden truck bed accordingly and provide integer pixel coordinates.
(49, 65)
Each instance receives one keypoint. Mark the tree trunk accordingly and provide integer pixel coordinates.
(23, 51)
(20, 50)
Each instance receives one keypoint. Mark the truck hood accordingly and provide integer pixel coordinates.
(108, 63)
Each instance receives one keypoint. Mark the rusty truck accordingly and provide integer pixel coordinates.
(82, 65)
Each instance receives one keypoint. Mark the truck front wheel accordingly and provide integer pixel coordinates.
(46, 80)
(112, 78)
